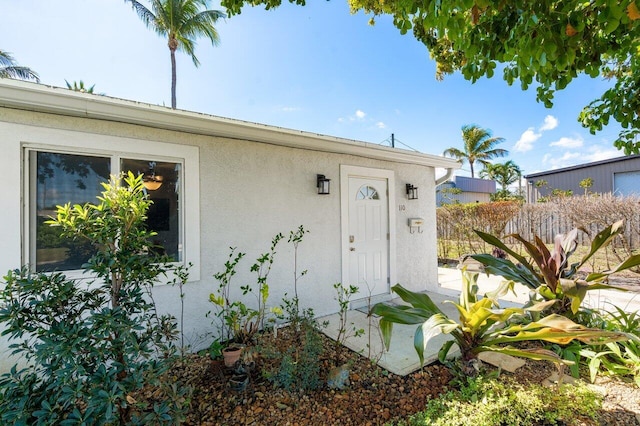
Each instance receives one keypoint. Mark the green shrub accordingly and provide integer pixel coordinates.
(88, 347)
(483, 402)
(620, 358)
(298, 368)
(482, 326)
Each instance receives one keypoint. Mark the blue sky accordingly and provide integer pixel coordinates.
(315, 68)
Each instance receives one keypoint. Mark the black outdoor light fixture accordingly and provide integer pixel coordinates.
(412, 192)
(323, 185)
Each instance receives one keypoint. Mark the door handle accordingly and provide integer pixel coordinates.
(352, 249)
(351, 238)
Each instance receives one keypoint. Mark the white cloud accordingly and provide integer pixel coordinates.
(572, 158)
(525, 143)
(529, 136)
(359, 116)
(550, 123)
(566, 142)
(568, 159)
(597, 154)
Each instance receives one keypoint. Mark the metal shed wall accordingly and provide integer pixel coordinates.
(602, 173)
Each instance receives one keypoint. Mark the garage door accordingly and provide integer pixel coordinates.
(627, 183)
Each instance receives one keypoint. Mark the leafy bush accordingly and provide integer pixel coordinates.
(619, 358)
(88, 347)
(482, 325)
(297, 368)
(484, 402)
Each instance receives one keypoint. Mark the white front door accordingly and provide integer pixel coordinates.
(368, 235)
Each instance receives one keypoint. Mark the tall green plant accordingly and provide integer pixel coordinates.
(478, 145)
(89, 346)
(551, 274)
(238, 322)
(619, 358)
(482, 325)
(181, 22)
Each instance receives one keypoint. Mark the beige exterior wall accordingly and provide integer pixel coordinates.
(244, 192)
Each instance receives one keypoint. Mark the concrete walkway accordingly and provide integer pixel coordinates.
(402, 358)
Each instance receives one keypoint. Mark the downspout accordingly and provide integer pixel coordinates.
(445, 178)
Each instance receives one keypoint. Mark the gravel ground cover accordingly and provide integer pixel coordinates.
(373, 396)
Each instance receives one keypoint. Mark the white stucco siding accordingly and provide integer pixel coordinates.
(247, 193)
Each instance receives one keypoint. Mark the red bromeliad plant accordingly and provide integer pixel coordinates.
(551, 274)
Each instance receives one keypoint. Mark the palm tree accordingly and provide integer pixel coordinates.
(478, 146)
(503, 173)
(10, 69)
(180, 21)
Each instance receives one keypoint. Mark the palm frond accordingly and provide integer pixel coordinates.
(18, 72)
(143, 13)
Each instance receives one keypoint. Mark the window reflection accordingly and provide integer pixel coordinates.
(60, 179)
(162, 180)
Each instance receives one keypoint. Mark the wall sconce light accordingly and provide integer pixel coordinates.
(323, 184)
(412, 192)
(150, 180)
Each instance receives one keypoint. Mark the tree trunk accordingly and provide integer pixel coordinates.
(173, 78)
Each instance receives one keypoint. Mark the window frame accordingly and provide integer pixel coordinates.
(185, 155)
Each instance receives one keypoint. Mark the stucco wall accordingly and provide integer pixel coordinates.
(248, 192)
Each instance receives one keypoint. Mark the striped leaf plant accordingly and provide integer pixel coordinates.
(482, 326)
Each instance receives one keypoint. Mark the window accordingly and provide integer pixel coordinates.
(367, 193)
(56, 178)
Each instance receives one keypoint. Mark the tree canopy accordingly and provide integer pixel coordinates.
(181, 22)
(503, 173)
(545, 43)
(478, 146)
(9, 68)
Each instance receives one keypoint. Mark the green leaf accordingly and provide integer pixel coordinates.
(602, 239)
(401, 314)
(494, 241)
(417, 300)
(444, 350)
(437, 324)
(386, 328)
(508, 270)
(631, 262)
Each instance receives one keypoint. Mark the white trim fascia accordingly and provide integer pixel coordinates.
(346, 172)
(54, 100)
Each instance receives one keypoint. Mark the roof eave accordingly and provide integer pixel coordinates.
(36, 97)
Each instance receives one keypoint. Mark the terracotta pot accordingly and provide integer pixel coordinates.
(231, 355)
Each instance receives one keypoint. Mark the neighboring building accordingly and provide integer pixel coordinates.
(620, 176)
(218, 183)
(460, 189)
